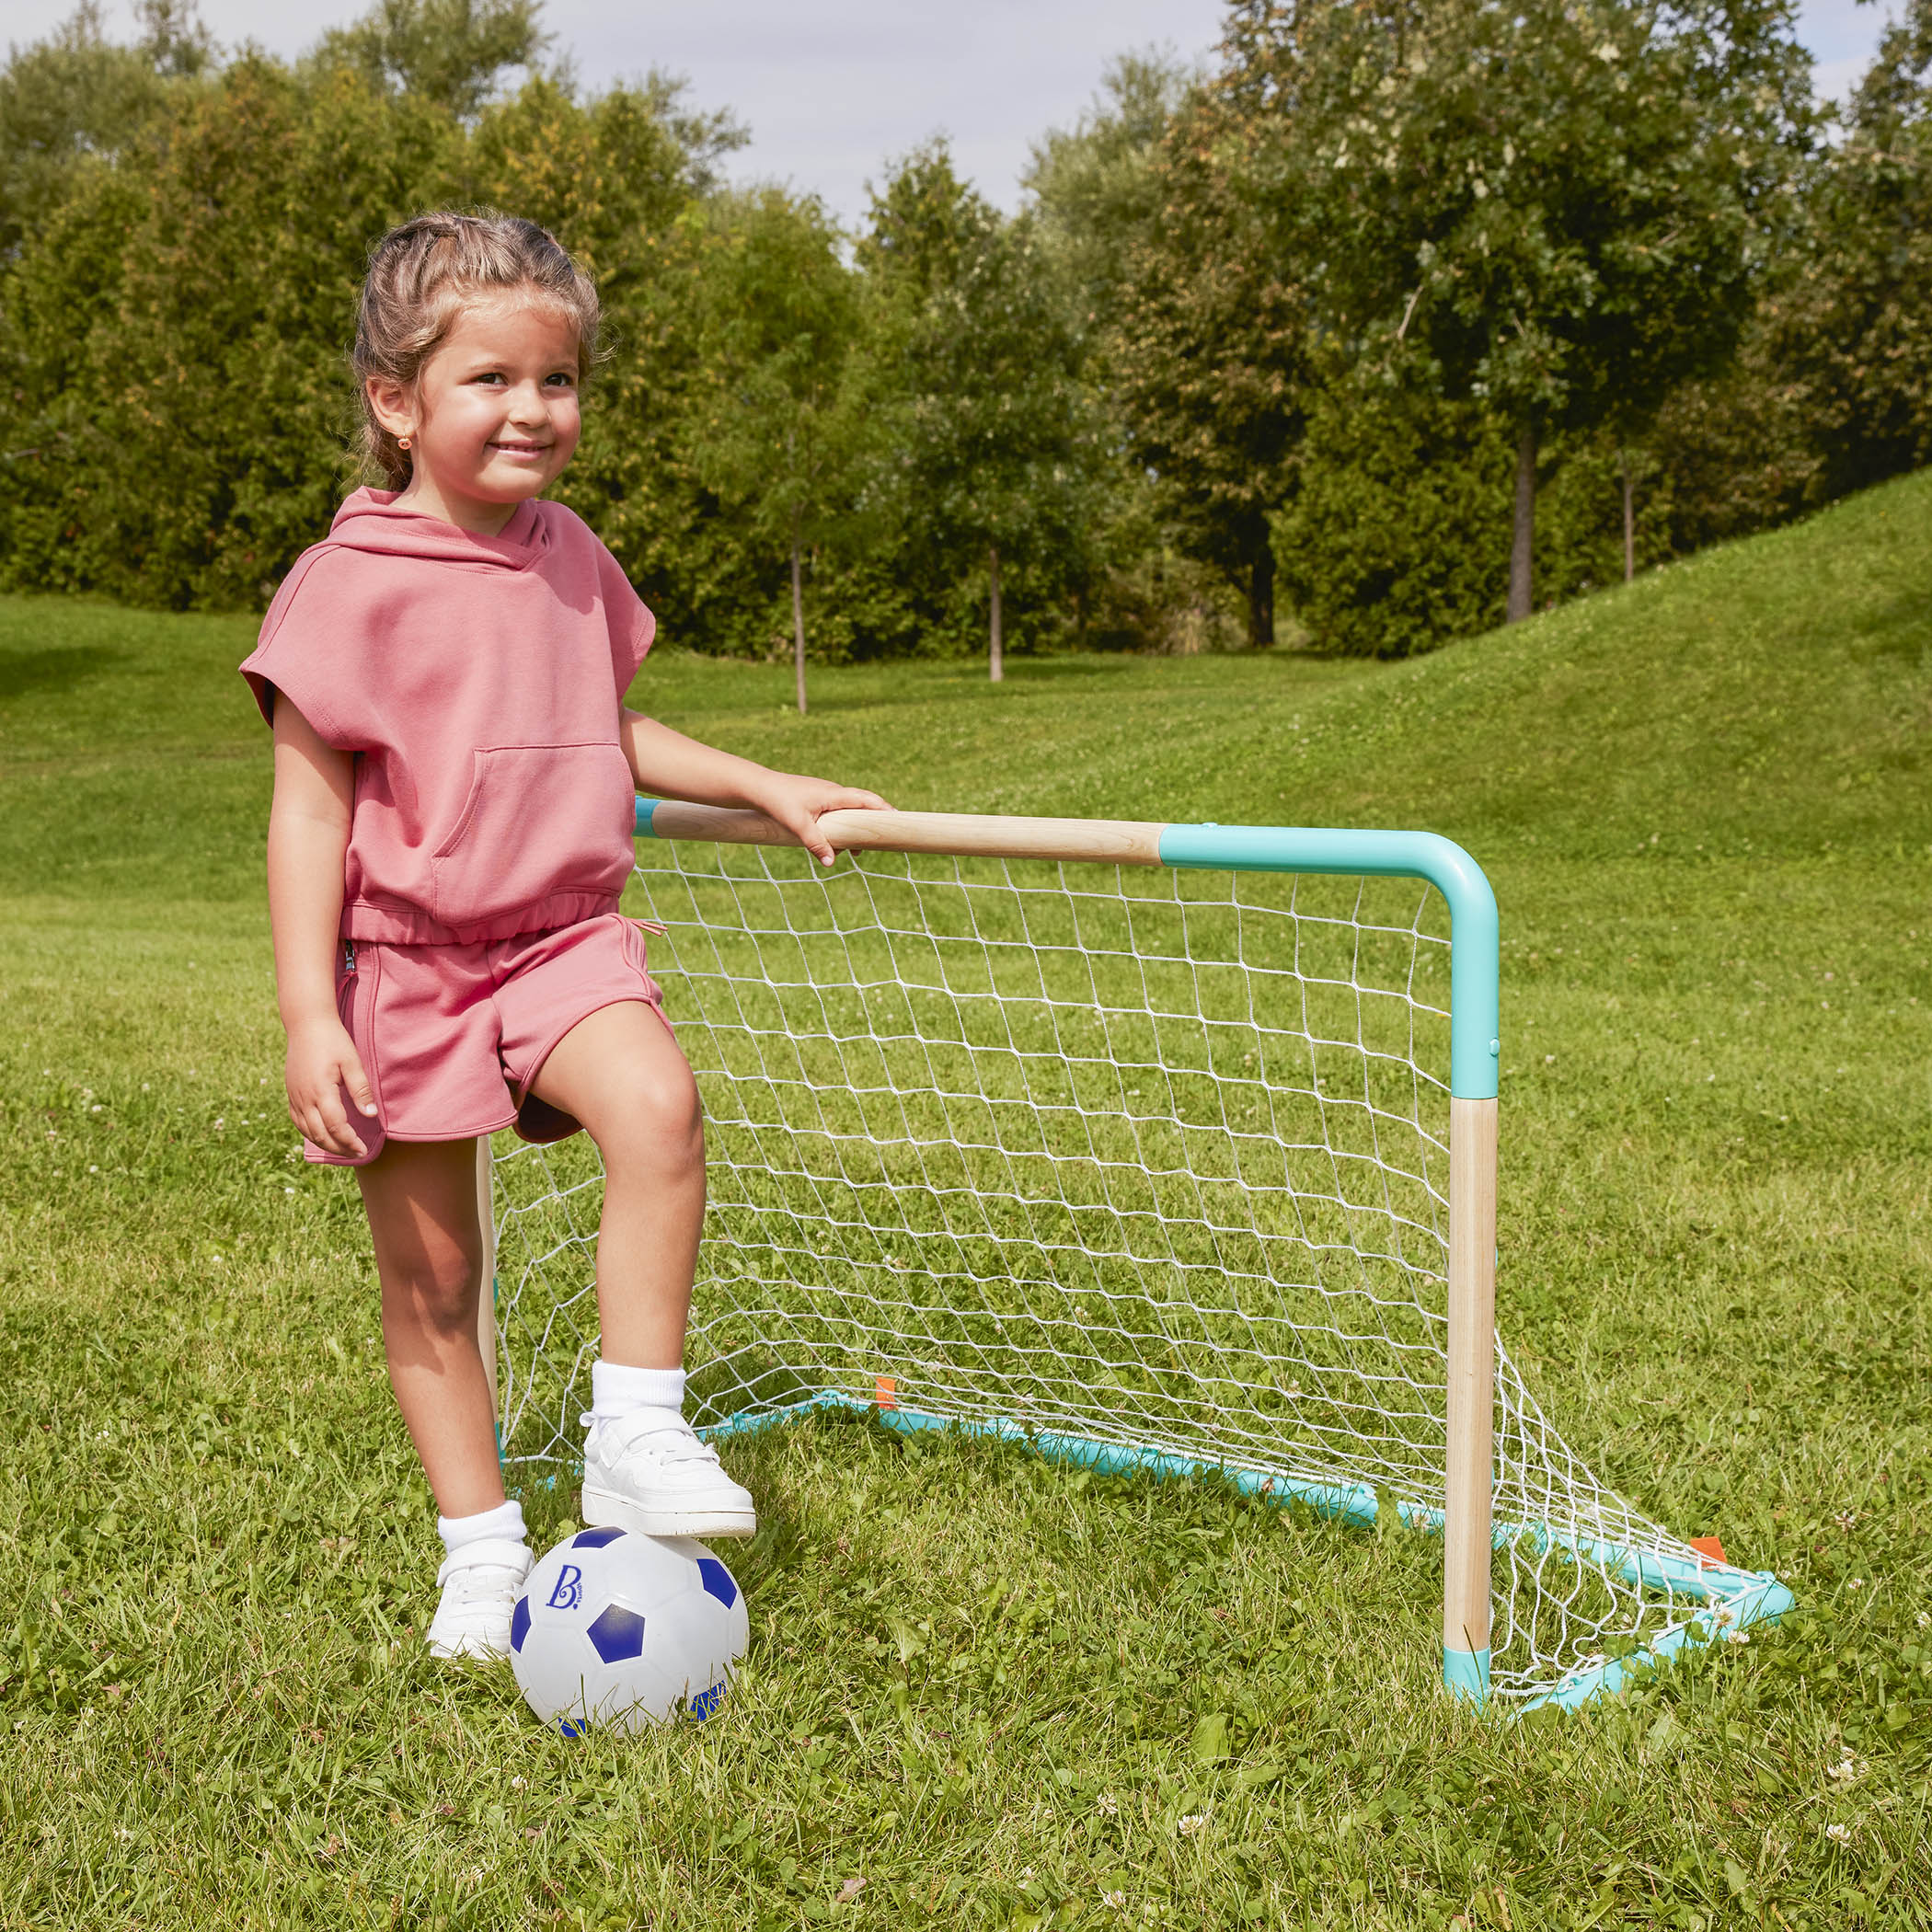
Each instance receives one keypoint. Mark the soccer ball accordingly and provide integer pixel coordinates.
(621, 1629)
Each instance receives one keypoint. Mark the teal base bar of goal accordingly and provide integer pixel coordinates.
(1749, 1597)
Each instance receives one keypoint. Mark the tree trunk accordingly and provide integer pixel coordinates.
(1521, 599)
(798, 616)
(1630, 522)
(997, 666)
(1260, 596)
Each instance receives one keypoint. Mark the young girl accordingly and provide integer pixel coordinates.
(451, 825)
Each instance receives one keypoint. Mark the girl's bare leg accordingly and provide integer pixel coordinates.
(421, 1198)
(621, 1074)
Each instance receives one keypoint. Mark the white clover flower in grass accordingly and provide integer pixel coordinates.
(1846, 1519)
(1114, 1901)
(1923, 1619)
(1107, 1804)
(1193, 1824)
(1737, 1637)
(1838, 1834)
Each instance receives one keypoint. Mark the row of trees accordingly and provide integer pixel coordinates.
(1408, 315)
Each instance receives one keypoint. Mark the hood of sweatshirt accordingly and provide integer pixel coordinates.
(374, 520)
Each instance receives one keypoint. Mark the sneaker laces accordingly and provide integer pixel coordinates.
(670, 1438)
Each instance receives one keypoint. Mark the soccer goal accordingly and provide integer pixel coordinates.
(1153, 1148)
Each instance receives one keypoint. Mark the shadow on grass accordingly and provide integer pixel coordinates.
(53, 668)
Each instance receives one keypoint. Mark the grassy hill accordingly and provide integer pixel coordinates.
(1704, 804)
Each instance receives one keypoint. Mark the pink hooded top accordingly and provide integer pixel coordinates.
(477, 680)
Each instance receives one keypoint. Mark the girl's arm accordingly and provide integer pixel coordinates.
(308, 837)
(671, 765)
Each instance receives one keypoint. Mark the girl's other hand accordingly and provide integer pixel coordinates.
(322, 1062)
(797, 803)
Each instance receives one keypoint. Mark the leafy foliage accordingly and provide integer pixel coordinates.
(1857, 325)
(448, 53)
(1211, 346)
(1553, 205)
(775, 429)
(984, 426)
(1275, 316)
(1389, 543)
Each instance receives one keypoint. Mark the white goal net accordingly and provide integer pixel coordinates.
(1146, 1166)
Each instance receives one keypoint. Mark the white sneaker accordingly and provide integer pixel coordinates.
(480, 1586)
(648, 1472)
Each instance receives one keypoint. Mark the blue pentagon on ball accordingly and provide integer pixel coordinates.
(617, 1633)
(718, 1580)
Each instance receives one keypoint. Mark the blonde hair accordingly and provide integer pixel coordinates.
(420, 275)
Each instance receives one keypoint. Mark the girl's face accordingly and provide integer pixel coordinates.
(492, 417)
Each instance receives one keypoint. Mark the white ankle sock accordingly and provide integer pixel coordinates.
(503, 1524)
(617, 1390)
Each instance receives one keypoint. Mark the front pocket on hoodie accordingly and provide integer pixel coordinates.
(540, 819)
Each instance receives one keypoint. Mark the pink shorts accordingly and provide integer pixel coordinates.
(452, 1036)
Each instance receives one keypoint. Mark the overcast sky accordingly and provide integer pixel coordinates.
(831, 90)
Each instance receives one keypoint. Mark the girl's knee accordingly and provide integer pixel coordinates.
(661, 1127)
(440, 1290)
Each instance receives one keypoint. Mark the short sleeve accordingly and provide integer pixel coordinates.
(632, 625)
(307, 650)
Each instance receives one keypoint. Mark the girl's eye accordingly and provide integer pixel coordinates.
(562, 379)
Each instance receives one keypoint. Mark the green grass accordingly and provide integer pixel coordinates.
(989, 1689)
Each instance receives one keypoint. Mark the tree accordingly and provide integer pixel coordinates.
(1209, 347)
(1387, 544)
(1553, 207)
(1856, 326)
(774, 431)
(986, 415)
(450, 53)
(77, 98)
(1094, 188)
(186, 397)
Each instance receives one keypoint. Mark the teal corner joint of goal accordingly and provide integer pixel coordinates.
(1474, 1529)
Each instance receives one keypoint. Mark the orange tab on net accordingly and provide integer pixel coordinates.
(1710, 1546)
(885, 1392)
